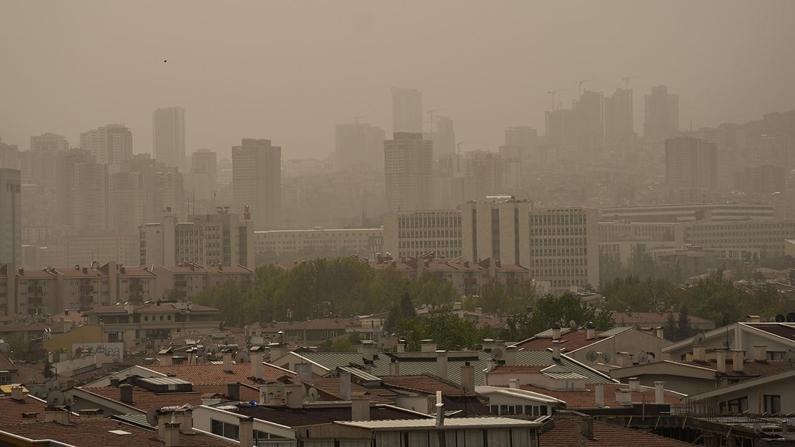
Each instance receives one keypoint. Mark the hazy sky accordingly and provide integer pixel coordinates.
(290, 70)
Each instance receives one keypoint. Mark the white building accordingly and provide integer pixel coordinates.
(321, 242)
(496, 229)
(411, 234)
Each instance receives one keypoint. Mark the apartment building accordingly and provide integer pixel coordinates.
(274, 245)
(769, 237)
(411, 234)
(496, 229)
(688, 212)
(184, 281)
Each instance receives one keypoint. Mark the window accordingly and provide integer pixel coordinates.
(772, 403)
(734, 406)
(224, 429)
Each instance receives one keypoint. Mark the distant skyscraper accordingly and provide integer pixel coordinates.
(662, 114)
(359, 145)
(10, 216)
(443, 138)
(65, 178)
(408, 163)
(203, 179)
(619, 117)
(169, 137)
(257, 181)
(560, 125)
(48, 142)
(111, 145)
(589, 120)
(406, 110)
(90, 198)
(690, 168)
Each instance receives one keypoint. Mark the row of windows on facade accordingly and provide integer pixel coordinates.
(558, 241)
(558, 273)
(429, 233)
(546, 252)
(559, 219)
(429, 244)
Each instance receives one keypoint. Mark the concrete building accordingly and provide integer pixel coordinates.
(620, 231)
(277, 245)
(619, 118)
(406, 110)
(168, 126)
(688, 212)
(100, 247)
(588, 112)
(496, 229)
(661, 114)
(769, 237)
(408, 166)
(10, 216)
(691, 169)
(48, 142)
(202, 181)
(218, 239)
(411, 234)
(444, 144)
(90, 195)
(111, 145)
(358, 145)
(183, 282)
(257, 182)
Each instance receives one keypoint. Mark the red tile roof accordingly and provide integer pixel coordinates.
(331, 387)
(587, 398)
(569, 341)
(11, 410)
(145, 400)
(652, 318)
(423, 383)
(209, 374)
(566, 432)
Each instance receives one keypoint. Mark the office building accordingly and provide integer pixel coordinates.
(283, 245)
(588, 114)
(111, 145)
(767, 237)
(169, 137)
(358, 145)
(218, 239)
(619, 118)
(90, 194)
(688, 212)
(49, 142)
(406, 110)
(444, 145)
(408, 164)
(496, 229)
(691, 169)
(662, 114)
(412, 234)
(10, 216)
(257, 182)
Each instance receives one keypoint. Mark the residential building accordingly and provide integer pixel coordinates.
(412, 234)
(90, 195)
(770, 395)
(48, 142)
(168, 125)
(183, 282)
(359, 145)
(408, 163)
(202, 181)
(10, 216)
(496, 228)
(65, 193)
(688, 212)
(406, 110)
(99, 248)
(588, 114)
(691, 169)
(111, 145)
(661, 114)
(778, 338)
(218, 239)
(619, 118)
(257, 182)
(444, 144)
(282, 245)
(560, 127)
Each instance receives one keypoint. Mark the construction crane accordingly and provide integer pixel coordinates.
(553, 93)
(579, 86)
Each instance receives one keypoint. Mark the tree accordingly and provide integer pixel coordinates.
(683, 328)
(670, 330)
(401, 311)
(447, 329)
(562, 310)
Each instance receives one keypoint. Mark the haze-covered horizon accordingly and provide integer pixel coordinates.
(290, 71)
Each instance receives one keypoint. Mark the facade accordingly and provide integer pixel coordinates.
(406, 110)
(689, 212)
(321, 242)
(168, 125)
(620, 231)
(111, 145)
(589, 120)
(218, 239)
(411, 234)
(183, 282)
(496, 229)
(691, 169)
(10, 216)
(662, 114)
(358, 145)
(90, 195)
(408, 165)
(768, 237)
(257, 182)
(49, 142)
(619, 117)
(203, 178)
(444, 144)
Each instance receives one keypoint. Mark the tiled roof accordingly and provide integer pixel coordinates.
(587, 398)
(569, 341)
(652, 318)
(566, 432)
(786, 330)
(209, 374)
(11, 410)
(146, 400)
(544, 358)
(423, 383)
(331, 387)
(310, 415)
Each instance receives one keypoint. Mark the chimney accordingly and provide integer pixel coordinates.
(753, 318)
(427, 345)
(295, 394)
(441, 363)
(16, 393)
(170, 434)
(509, 355)
(738, 360)
(556, 350)
(590, 331)
(659, 392)
(556, 331)
(165, 359)
(360, 408)
(191, 356)
(367, 349)
(468, 378)
(277, 350)
(634, 384)
(401, 346)
(233, 391)
(304, 371)
(699, 354)
(246, 432)
(439, 409)
(720, 358)
(57, 415)
(599, 392)
(345, 385)
(623, 397)
(126, 393)
(227, 361)
(513, 383)
(659, 331)
(394, 367)
(760, 353)
(256, 363)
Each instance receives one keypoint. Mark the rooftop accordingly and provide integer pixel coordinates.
(211, 374)
(577, 399)
(145, 400)
(321, 414)
(567, 432)
(419, 424)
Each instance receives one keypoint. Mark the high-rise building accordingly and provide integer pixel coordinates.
(202, 181)
(691, 168)
(90, 198)
(111, 145)
(662, 114)
(48, 142)
(65, 178)
(169, 137)
(408, 164)
(359, 145)
(619, 117)
(406, 110)
(257, 182)
(560, 126)
(10, 216)
(443, 138)
(126, 202)
(588, 112)
(496, 229)
(521, 138)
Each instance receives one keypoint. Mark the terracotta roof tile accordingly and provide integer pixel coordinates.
(587, 398)
(331, 387)
(424, 383)
(567, 433)
(569, 341)
(210, 374)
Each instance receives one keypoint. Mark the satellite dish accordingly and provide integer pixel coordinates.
(151, 417)
(780, 318)
(55, 398)
(606, 357)
(312, 395)
(791, 317)
(591, 356)
(699, 338)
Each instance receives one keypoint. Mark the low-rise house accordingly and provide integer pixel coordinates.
(654, 320)
(571, 429)
(771, 395)
(776, 338)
